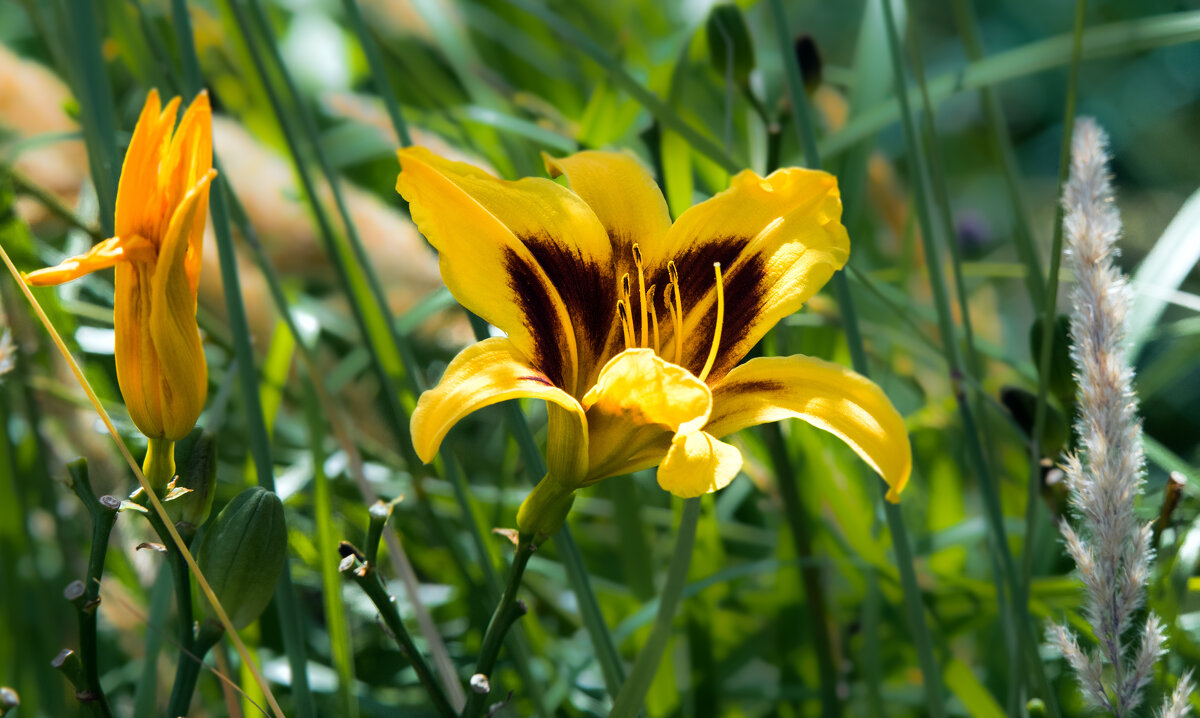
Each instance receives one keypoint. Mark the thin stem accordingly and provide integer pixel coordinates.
(259, 439)
(181, 698)
(368, 579)
(1002, 145)
(191, 661)
(23, 185)
(913, 604)
(810, 571)
(378, 72)
(506, 614)
(86, 596)
(633, 693)
(1049, 309)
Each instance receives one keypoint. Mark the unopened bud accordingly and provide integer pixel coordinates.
(1036, 708)
(244, 552)
(198, 475)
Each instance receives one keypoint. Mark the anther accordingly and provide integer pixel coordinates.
(716, 343)
(637, 261)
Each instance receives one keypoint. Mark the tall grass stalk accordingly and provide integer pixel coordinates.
(913, 603)
(1112, 546)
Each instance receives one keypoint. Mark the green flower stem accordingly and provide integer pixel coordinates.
(86, 596)
(181, 695)
(67, 663)
(368, 579)
(190, 662)
(159, 467)
(506, 614)
(914, 606)
(544, 510)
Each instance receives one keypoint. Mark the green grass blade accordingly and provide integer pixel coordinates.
(1002, 145)
(914, 606)
(633, 692)
(993, 511)
(1114, 39)
(94, 91)
(574, 37)
(1163, 270)
(260, 447)
(378, 73)
(331, 581)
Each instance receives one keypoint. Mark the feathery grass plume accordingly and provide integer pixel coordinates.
(1112, 550)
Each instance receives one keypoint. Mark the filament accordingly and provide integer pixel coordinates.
(716, 343)
(626, 322)
(649, 302)
(637, 260)
(676, 307)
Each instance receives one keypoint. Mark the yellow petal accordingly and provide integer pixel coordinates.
(826, 395)
(778, 239)
(173, 326)
(528, 256)
(698, 464)
(141, 208)
(188, 162)
(138, 369)
(102, 256)
(639, 404)
(489, 372)
(628, 203)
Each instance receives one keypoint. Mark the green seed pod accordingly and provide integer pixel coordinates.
(1061, 380)
(243, 554)
(729, 45)
(198, 472)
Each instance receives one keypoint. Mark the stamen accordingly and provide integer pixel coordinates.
(637, 261)
(653, 316)
(716, 343)
(626, 324)
(676, 307)
(676, 323)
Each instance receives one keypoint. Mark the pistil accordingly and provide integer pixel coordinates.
(716, 342)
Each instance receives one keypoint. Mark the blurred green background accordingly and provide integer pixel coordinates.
(497, 83)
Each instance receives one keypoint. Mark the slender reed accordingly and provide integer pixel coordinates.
(1112, 546)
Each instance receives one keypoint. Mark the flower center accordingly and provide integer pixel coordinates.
(673, 302)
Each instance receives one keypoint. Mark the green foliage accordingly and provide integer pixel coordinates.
(795, 590)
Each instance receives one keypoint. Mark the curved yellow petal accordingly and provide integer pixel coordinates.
(826, 395)
(101, 256)
(188, 161)
(489, 372)
(141, 207)
(528, 256)
(698, 464)
(639, 404)
(630, 206)
(173, 326)
(778, 239)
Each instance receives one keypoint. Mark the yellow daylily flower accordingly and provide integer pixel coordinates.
(162, 205)
(631, 327)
